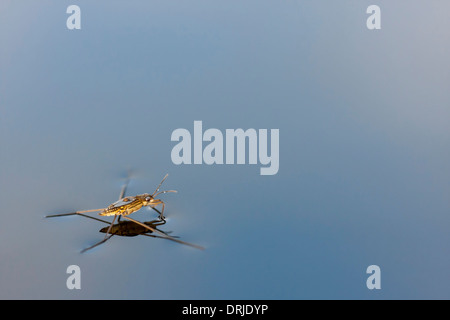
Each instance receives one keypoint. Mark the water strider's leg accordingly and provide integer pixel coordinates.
(72, 213)
(107, 237)
(124, 188)
(78, 214)
(97, 244)
(161, 214)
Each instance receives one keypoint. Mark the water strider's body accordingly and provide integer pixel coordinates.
(128, 205)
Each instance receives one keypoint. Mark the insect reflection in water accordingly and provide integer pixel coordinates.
(125, 206)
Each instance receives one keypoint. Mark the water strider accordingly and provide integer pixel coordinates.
(126, 206)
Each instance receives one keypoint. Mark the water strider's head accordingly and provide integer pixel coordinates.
(148, 200)
(151, 201)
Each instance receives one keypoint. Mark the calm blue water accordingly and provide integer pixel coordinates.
(364, 173)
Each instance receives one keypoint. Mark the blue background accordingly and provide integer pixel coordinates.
(364, 147)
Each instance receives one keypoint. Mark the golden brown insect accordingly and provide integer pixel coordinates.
(127, 205)
(124, 207)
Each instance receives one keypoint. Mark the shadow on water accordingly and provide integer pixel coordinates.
(131, 228)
